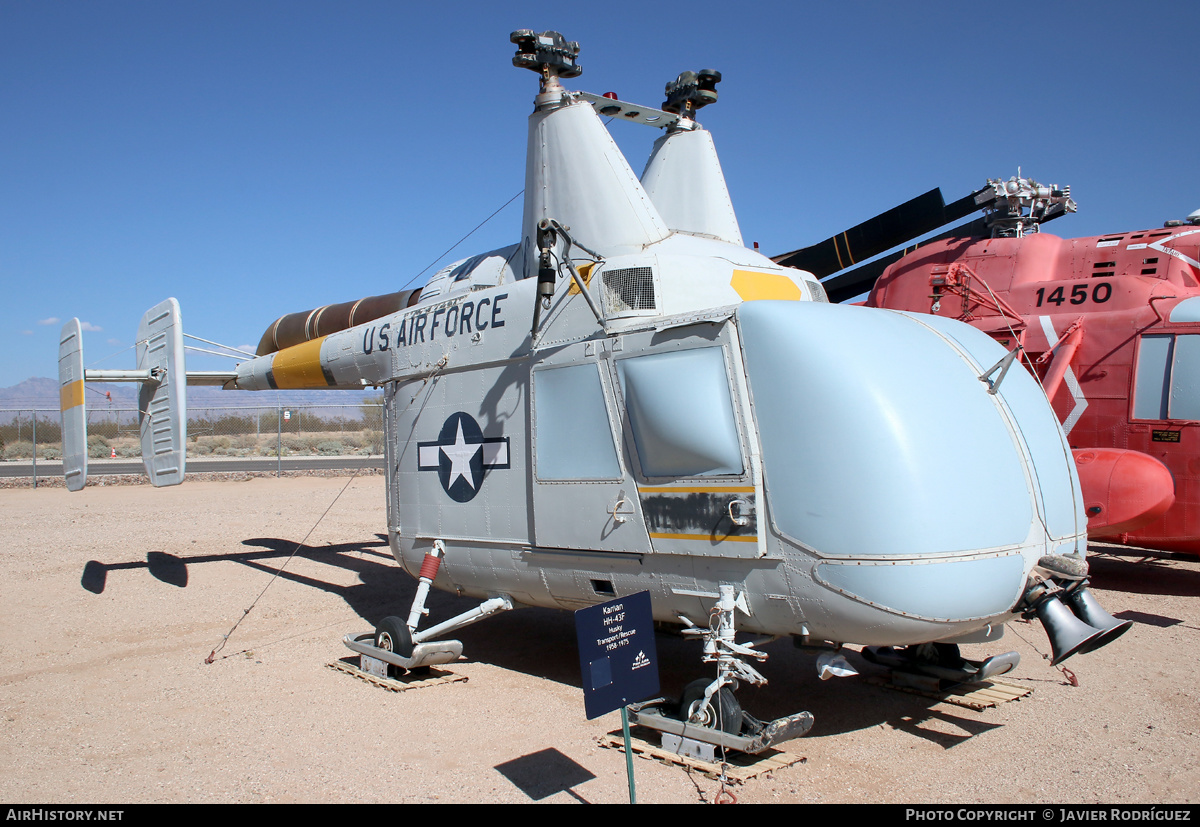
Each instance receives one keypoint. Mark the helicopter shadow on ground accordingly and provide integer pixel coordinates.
(382, 584)
(850, 704)
(165, 567)
(1142, 571)
(541, 642)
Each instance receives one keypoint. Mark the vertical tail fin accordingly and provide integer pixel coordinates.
(162, 396)
(74, 411)
(162, 401)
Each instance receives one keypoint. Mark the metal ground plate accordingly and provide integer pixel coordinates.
(740, 767)
(981, 695)
(434, 677)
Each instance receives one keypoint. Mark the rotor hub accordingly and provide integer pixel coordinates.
(1019, 205)
(691, 91)
(549, 54)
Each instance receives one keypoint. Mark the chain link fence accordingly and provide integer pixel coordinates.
(297, 431)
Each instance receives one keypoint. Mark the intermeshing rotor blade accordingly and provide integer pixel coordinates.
(850, 283)
(905, 222)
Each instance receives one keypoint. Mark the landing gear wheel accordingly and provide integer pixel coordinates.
(392, 635)
(722, 712)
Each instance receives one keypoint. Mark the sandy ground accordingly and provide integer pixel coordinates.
(112, 598)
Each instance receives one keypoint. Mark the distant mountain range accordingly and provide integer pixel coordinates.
(42, 394)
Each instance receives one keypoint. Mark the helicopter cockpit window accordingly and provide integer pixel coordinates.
(574, 440)
(1165, 387)
(681, 413)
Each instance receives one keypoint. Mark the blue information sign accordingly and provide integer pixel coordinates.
(616, 653)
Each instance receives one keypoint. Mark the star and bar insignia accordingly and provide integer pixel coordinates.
(462, 455)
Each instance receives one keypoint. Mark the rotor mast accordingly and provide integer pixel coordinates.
(550, 55)
(575, 175)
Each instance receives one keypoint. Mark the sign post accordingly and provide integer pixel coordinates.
(618, 661)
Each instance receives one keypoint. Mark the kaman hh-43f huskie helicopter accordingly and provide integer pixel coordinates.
(630, 399)
(1110, 324)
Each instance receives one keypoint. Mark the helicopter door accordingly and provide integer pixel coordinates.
(584, 498)
(695, 477)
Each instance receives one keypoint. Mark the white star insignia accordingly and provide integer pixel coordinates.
(460, 455)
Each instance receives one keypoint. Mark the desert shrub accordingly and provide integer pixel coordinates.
(374, 441)
(301, 444)
(104, 428)
(329, 448)
(18, 450)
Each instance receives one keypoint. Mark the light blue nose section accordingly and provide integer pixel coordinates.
(879, 440)
(1059, 498)
(949, 590)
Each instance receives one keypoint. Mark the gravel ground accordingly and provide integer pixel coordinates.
(112, 598)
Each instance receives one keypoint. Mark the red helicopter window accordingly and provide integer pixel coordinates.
(1164, 385)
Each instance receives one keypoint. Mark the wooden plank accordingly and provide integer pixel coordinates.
(739, 768)
(982, 695)
(435, 677)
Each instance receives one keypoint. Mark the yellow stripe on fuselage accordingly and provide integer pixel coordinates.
(736, 538)
(70, 395)
(299, 366)
(752, 286)
(710, 489)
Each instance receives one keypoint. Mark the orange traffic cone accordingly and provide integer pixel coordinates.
(114, 453)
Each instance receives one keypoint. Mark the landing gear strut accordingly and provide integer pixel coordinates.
(709, 713)
(398, 643)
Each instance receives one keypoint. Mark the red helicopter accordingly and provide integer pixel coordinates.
(1109, 324)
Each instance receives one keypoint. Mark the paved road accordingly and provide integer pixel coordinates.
(47, 468)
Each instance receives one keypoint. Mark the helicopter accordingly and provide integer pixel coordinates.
(1107, 324)
(629, 399)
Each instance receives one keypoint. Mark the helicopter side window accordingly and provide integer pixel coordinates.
(1185, 390)
(1165, 386)
(1153, 377)
(681, 413)
(574, 440)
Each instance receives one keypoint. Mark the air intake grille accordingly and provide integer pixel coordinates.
(818, 291)
(629, 289)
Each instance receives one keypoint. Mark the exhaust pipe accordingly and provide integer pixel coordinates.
(297, 328)
(1085, 606)
(1068, 634)
(1073, 618)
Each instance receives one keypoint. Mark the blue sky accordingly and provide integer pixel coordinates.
(257, 158)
